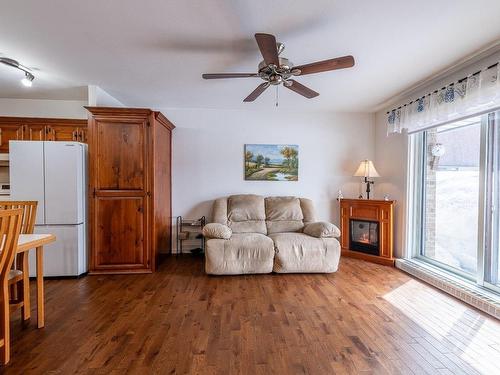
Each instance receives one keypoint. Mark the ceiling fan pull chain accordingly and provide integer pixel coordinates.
(277, 95)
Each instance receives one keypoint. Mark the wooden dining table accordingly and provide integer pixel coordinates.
(26, 243)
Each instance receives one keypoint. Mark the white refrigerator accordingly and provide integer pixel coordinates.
(55, 175)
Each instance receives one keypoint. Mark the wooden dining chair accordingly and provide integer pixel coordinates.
(20, 278)
(10, 226)
(29, 213)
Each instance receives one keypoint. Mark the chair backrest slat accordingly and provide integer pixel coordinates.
(29, 213)
(10, 226)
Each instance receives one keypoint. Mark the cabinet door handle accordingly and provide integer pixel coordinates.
(75, 135)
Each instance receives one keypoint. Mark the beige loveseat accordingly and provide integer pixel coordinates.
(253, 234)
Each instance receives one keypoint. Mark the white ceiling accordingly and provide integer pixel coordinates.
(152, 52)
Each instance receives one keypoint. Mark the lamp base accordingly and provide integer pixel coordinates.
(368, 190)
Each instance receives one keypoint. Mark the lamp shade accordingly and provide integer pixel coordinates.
(366, 169)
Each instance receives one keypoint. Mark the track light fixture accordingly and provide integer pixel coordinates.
(28, 76)
(28, 79)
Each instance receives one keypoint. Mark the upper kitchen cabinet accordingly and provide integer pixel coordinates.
(66, 132)
(34, 132)
(40, 129)
(10, 132)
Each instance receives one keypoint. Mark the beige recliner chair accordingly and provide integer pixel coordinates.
(253, 234)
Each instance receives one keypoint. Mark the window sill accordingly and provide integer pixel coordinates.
(476, 296)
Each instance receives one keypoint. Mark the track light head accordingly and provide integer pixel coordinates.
(28, 79)
(28, 76)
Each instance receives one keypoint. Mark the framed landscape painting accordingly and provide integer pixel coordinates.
(272, 162)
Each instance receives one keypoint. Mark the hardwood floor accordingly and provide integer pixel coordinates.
(364, 319)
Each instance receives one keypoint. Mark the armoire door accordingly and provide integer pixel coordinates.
(120, 196)
(120, 234)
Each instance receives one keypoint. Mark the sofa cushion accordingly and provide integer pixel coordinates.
(254, 226)
(242, 254)
(284, 226)
(246, 207)
(283, 214)
(298, 252)
(246, 214)
(283, 209)
(321, 229)
(216, 230)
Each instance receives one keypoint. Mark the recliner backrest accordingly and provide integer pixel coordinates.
(249, 213)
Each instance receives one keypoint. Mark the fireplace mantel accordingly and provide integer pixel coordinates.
(373, 211)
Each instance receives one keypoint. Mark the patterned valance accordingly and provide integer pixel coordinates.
(475, 94)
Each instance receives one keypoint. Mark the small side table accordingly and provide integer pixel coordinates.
(190, 230)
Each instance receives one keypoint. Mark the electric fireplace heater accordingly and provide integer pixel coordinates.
(364, 236)
(367, 228)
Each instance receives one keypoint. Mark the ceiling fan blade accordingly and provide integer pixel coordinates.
(255, 93)
(325, 65)
(228, 75)
(268, 48)
(301, 89)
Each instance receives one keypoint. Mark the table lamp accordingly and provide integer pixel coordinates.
(367, 170)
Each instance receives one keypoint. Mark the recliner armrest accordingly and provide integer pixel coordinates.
(216, 230)
(321, 229)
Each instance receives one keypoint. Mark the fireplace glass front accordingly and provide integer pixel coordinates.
(364, 236)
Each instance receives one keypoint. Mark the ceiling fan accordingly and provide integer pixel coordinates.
(276, 70)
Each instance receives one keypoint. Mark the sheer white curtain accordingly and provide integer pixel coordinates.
(475, 94)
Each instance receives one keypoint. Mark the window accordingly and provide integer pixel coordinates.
(451, 194)
(456, 194)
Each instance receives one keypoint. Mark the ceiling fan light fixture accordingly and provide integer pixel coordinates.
(275, 79)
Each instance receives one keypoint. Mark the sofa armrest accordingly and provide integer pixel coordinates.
(321, 229)
(216, 230)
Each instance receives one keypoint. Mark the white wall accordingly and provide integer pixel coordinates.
(391, 153)
(57, 108)
(100, 98)
(208, 148)
(43, 108)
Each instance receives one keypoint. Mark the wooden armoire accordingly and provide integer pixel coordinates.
(129, 189)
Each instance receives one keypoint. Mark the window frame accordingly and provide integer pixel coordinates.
(488, 218)
(491, 270)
